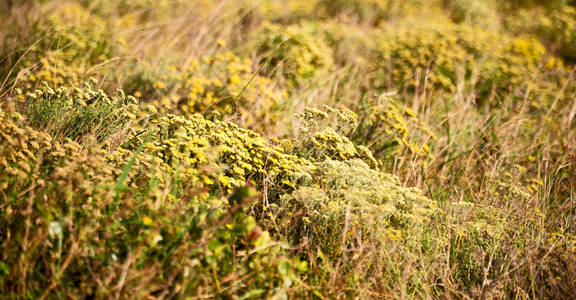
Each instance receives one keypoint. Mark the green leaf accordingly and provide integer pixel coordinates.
(252, 294)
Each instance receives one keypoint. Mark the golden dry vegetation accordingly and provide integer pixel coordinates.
(287, 149)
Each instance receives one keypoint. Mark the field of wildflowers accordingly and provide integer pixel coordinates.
(288, 149)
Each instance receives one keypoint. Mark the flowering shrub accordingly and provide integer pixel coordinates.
(79, 112)
(70, 42)
(294, 51)
(235, 170)
(446, 56)
(323, 135)
(242, 154)
(223, 83)
(79, 33)
(390, 129)
(53, 70)
(86, 212)
(555, 28)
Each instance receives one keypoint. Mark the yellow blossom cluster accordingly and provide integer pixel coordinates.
(242, 155)
(32, 157)
(54, 70)
(73, 41)
(448, 57)
(556, 27)
(78, 112)
(75, 30)
(222, 83)
(390, 128)
(324, 135)
(298, 52)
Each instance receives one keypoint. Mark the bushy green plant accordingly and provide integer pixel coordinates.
(345, 204)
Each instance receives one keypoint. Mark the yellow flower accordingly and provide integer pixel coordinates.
(147, 221)
(159, 85)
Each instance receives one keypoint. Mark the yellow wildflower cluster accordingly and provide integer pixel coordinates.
(223, 83)
(54, 70)
(390, 128)
(242, 155)
(516, 185)
(79, 33)
(32, 157)
(563, 240)
(73, 41)
(19, 147)
(295, 51)
(559, 27)
(447, 57)
(323, 135)
(80, 112)
(554, 26)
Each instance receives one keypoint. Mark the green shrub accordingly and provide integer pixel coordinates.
(346, 203)
(389, 128)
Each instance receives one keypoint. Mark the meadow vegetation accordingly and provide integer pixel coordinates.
(291, 149)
